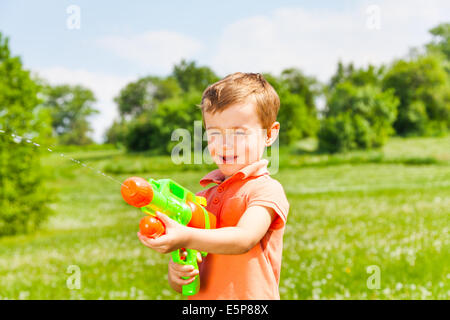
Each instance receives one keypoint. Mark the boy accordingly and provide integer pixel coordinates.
(244, 252)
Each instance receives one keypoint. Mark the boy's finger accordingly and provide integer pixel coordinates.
(146, 243)
(183, 282)
(199, 257)
(143, 241)
(185, 274)
(150, 242)
(181, 267)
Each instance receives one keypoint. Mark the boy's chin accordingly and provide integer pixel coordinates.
(230, 169)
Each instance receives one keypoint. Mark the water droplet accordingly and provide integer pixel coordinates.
(2, 131)
(37, 145)
(62, 154)
(49, 149)
(29, 141)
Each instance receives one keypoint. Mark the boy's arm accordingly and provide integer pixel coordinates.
(252, 226)
(250, 229)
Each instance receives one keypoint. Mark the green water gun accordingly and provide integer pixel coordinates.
(178, 203)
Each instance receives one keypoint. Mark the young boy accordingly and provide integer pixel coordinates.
(244, 252)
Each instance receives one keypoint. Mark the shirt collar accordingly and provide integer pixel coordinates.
(256, 168)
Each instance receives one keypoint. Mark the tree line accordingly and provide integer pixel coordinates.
(364, 106)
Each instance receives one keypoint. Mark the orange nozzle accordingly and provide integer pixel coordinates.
(137, 192)
(151, 227)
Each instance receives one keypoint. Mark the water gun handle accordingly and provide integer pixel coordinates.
(191, 259)
(152, 227)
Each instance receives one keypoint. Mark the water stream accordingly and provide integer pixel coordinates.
(19, 139)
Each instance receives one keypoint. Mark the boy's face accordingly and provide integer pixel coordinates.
(236, 137)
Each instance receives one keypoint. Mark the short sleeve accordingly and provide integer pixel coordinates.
(268, 192)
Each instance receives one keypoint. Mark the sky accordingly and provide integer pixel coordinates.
(104, 45)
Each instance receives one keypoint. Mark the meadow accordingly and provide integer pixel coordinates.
(386, 210)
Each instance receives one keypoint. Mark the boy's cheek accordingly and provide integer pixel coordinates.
(212, 150)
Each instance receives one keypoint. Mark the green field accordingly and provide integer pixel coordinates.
(387, 208)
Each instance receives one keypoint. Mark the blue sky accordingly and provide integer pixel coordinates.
(39, 34)
(121, 41)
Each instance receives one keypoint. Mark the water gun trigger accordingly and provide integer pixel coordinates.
(201, 200)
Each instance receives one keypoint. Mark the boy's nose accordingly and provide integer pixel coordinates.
(228, 141)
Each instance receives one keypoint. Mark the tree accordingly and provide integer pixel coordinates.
(423, 88)
(359, 77)
(357, 117)
(302, 85)
(23, 199)
(117, 133)
(152, 130)
(144, 94)
(70, 107)
(138, 103)
(192, 77)
(298, 113)
(441, 39)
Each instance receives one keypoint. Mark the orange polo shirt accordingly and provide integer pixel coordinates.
(255, 274)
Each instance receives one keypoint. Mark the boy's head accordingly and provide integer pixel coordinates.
(239, 114)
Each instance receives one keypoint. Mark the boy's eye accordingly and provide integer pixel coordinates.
(240, 132)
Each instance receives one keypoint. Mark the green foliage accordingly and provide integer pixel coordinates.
(144, 95)
(70, 106)
(152, 130)
(441, 40)
(302, 85)
(423, 88)
(337, 134)
(151, 108)
(191, 77)
(116, 134)
(23, 200)
(297, 115)
(357, 117)
(359, 77)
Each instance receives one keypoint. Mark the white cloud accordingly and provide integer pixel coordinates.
(314, 40)
(157, 50)
(104, 86)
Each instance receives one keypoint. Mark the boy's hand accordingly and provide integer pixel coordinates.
(174, 238)
(177, 271)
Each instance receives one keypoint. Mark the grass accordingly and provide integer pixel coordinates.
(387, 208)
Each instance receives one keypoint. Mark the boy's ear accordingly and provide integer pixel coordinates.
(272, 133)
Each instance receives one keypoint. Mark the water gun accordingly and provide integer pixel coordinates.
(178, 203)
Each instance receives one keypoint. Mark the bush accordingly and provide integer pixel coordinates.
(297, 114)
(357, 118)
(153, 129)
(337, 134)
(23, 201)
(423, 88)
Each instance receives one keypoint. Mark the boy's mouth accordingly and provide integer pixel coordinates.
(228, 159)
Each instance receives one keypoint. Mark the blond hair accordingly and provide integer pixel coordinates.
(239, 87)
